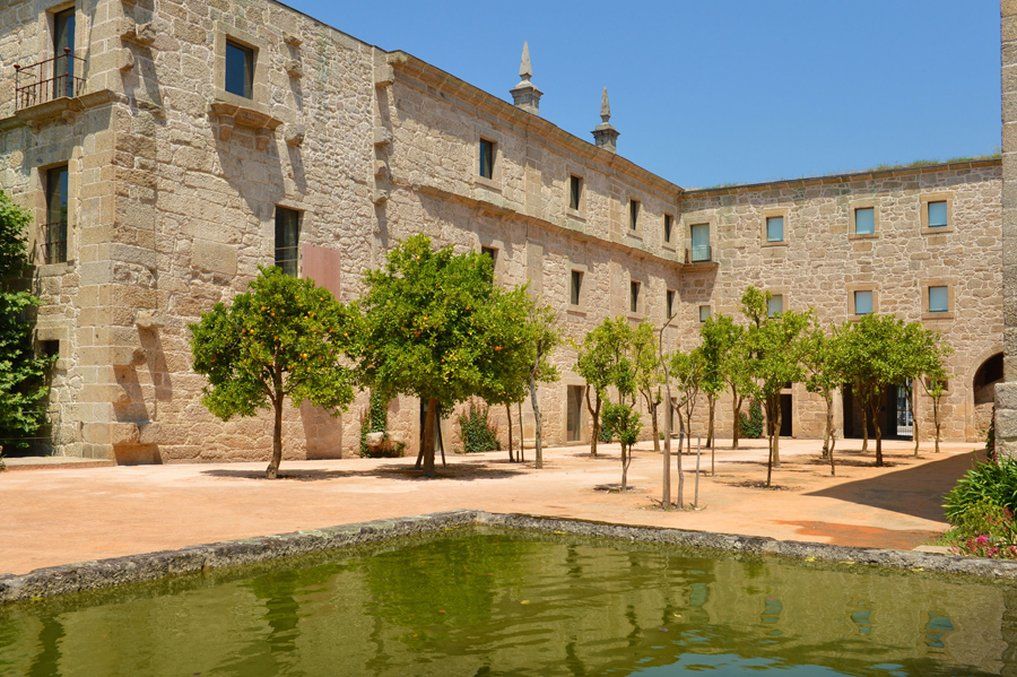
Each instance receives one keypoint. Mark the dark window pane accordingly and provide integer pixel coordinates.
(575, 191)
(575, 287)
(239, 70)
(668, 224)
(865, 221)
(633, 214)
(670, 302)
(63, 40)
(55, 235)
(937, 214)
(287, 237)
(487, 159)
(634, 297)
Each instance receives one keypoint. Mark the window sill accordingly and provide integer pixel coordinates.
(782, 243)
(54, 269)
(576, 310)
(948, 315)
(243, 111)
(863, 236)
(575, 214)
(639, 317)
(633, 235)
(939, 230)
(669, 247)
(489, 184)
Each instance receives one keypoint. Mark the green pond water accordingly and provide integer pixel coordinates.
(491, 603)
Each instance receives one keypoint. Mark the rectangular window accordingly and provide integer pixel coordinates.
(774, 228)
(939, 299)
(704, 313)
(287, 237)
(668, 226)
(491, 253)
(633, 214)
(700, 236)
(634, 297)
(55, 236)
(670, 303)
(49, 348)
(863, 302)
(575, 192)
(239, 70)
(63, 52)
(865, 220)
(576, 287)
(775, 305)
(937, 214)
(487, 159)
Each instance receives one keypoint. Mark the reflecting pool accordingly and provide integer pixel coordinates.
(479, 602)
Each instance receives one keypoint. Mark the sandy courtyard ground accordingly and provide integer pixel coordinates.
(59, 516)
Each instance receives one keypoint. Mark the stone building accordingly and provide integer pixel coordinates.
(167, 148)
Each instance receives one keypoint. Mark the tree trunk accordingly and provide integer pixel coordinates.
(769, 440)
(678, 462)
(272, 471)
(879, 433)
(736, 405)
(595, 415)
(776, 431)
(508, 414)
(935, 420)
(538, 449)
(665, 483)
(828, 433)
(654, 425)
(833, 443)
(427, 448)
(625, 469)
(866, 422)
(711, 403)
(522, 442)
(913, 396)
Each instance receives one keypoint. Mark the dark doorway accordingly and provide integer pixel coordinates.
(786, 429)
(574, 413)
(895, 419)
(988, 375)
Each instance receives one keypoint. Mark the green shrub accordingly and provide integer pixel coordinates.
(984, 530)
(993, 483)
(477, 432)
(751, 424)
(374, 419)
(621, 423)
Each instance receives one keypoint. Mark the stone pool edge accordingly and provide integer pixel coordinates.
(116, 571)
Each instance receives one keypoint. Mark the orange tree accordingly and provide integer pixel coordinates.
(284, 337)
(436, 327)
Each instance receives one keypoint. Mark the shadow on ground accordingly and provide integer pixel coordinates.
(916, 491)
(461, 472)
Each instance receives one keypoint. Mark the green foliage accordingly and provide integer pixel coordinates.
(687, 369)
(823, 360)
(283, 337)
(621, 423)
(992, 482)
(435, 326)
(719, 335)
(476, 430)
(755, 304)
(984, 530)
(23, 374)
(751, 424)
(777, 347)
(374, 419)
(605, 357)
(647, 375)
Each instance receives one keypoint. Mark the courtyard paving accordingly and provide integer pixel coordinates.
(71, 514)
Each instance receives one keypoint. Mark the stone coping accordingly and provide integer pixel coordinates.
(113, 572)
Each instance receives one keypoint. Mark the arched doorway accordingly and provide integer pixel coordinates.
(983, 387)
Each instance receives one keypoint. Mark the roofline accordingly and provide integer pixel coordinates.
(870, 174)
(441, 79)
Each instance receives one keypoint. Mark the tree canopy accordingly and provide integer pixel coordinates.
(435, 326)
(284, 337)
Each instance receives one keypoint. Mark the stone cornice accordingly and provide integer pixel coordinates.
(447, 83)
(872, 174)
(529, 219)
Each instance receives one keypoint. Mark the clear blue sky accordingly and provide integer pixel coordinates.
(720, 91)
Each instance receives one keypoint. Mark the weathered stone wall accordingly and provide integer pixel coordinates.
(175, 182)
(821, 263)
(1006, 393)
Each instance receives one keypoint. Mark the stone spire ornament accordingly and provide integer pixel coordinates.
(605, 135)
(525, 95)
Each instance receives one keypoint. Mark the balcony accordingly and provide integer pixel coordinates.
(48, 80)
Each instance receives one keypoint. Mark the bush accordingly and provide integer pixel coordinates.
(374, 420)
(751, 424)
(993, 483)
(477, 432)
(984, 530)
(621, 422)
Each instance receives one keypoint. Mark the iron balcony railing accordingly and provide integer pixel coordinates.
(54, 248)
(48, 79)
(699, 253)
